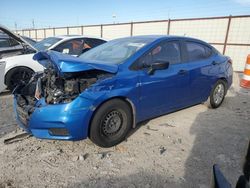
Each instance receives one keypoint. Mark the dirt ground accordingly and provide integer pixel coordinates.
(175, 150)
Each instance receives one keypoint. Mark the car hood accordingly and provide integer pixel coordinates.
(16, 37)
(64, 63)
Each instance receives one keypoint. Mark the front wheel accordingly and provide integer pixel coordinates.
(111, 123)
(217, 94)
(18, 75)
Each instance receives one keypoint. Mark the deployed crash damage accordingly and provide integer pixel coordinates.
(57, 89)
(56, 85)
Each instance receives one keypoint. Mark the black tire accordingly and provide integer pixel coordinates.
(17, 75)
(111, 123)
(216, 98)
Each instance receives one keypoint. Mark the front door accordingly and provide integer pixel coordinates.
(164, 90)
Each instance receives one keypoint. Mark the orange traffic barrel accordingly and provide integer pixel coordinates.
(245, 81)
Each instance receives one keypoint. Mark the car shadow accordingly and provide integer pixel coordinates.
(220, 137)
(139, 180)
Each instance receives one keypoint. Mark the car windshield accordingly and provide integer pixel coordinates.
(116, 51)
(46, 43)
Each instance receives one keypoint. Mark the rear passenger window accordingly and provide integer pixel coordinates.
(197, 51)
(4, 43)
(94, 42)
(13, 42)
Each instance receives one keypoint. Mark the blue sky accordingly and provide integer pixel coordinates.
(54, 13)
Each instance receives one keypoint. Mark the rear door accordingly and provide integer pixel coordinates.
(201, 64)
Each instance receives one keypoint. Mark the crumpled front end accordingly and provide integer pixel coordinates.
(50, 105)
(62, 121)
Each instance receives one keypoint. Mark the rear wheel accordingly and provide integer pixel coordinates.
(18, 75)
(111, 123)
(217, 94)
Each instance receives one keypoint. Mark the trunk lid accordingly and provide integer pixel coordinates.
(16, 37)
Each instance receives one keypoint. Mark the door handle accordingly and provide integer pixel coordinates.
(182, 71)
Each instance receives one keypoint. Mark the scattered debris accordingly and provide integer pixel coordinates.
(121, 148)
(166, 124)
(148, 127)
(37, 148)
(179, 140)
(146, 133)
(104, 154)
(17, 138)
(75, 158)
(162, 150)
(49, 163)
(83, 157)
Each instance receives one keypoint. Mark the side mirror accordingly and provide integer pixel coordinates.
(158, 65)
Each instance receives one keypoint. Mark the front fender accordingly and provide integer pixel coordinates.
(22, 61)
(118, 88)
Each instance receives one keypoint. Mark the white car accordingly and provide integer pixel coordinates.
(2, 68)
(21, 67)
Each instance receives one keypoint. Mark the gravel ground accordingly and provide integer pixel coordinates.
(175, 150)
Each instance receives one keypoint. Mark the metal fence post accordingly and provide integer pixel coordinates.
(101, 30)
(131, 29)
(81, 30)
(227, 32)
(67, 30)
(44, 33)
(36, 34)
(169, 21)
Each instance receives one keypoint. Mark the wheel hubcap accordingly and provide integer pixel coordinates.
(112, 123)
(21, 76)
(219, 93)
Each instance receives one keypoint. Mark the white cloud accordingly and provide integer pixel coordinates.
(243, 2)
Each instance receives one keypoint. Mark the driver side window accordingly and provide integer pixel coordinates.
(166, 51)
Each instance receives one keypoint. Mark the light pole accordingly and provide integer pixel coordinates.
(114, 17)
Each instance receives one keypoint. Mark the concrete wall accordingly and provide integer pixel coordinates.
(230, 35)
(116, 31)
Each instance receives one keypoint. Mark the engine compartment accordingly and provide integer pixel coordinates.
(57, 88)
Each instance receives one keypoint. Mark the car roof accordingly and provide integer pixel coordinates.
(156, 37)
(77, 36)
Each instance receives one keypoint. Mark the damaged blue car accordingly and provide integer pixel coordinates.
(106, 91)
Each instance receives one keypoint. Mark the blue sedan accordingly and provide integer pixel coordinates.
(106, 91)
